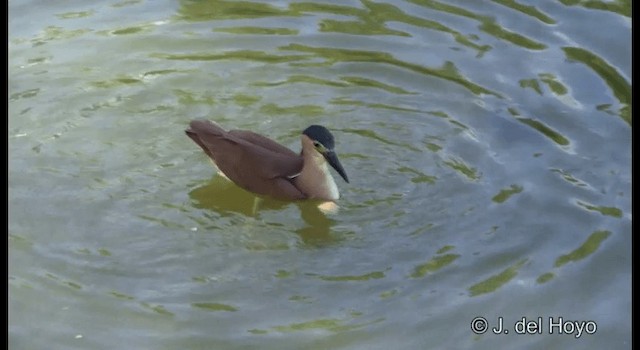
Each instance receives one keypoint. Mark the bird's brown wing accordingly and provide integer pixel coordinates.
(262, 141)
(248, 162)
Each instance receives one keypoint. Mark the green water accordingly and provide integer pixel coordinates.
(488, 144)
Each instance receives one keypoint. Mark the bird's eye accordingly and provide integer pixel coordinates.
(316, 144)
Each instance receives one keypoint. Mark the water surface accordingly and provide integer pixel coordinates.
(488, 144)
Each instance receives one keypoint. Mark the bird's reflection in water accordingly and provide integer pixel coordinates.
(317, 231)
(225, 198)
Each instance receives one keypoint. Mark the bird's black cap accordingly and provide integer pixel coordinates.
(320, 134)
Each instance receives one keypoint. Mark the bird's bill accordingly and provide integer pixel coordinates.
(333, 160)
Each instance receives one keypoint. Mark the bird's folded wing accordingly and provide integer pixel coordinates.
(262, 141)
(254, 156)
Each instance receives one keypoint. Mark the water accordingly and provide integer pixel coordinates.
(488, 145)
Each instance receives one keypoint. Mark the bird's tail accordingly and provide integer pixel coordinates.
(201, 126)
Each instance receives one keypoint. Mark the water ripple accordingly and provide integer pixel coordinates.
(488, 145)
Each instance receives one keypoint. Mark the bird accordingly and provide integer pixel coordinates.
(264, 167)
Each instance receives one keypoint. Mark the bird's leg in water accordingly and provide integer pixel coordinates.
(256, 204)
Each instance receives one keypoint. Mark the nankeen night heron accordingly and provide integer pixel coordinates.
(263, 166)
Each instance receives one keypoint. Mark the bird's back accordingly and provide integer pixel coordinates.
(250, 160)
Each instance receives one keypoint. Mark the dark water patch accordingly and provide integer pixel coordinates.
(499, 32)
(620, 87)
(463, 168)
(372, 20)
(506, 193)
(487, 24)
(347, 102)
(117, 82)
(545, 277)
(622, 7)
(532, 84)
(72, 15)
(552, 82)
(158, 309)
(192, 97)
(352, 278)
(308, 110)
(257, 30)
(528, 10)
(245, 99)
(239, 55)
(587, 248)
(197, 11)
(24, 94)
(121, 295)
(608, 211)
(214, 307)
(126, 3)
(547, 131)
(303, 79)
(436, 263)
(567, 176)
(129, 30)
(494, 282)
(419, 176)
(333, 55)
(377, 137)
(54, 33)
(365, 82)
(323, 324)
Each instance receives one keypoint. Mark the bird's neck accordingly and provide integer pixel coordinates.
(315, 179)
